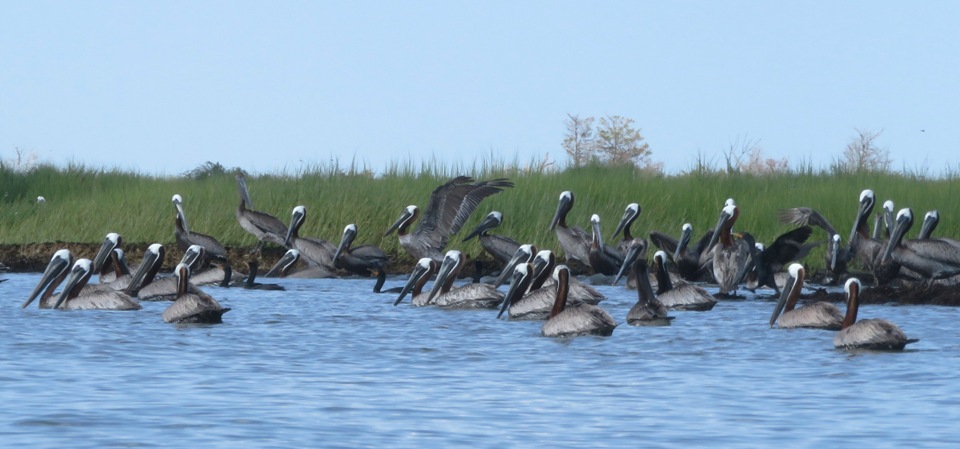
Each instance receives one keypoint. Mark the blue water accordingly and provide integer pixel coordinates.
(327, 363)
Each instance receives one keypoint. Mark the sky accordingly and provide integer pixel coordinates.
(162, 87)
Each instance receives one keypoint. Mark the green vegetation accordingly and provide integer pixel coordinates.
(83, 204)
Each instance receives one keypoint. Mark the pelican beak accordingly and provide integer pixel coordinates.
(55, 269)
(517, 288)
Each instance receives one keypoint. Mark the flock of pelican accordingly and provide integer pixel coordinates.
(539, 287)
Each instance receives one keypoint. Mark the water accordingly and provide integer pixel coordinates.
(327, 363)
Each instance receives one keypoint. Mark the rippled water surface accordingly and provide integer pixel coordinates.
(327, 363)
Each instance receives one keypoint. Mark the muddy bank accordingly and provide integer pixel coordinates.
(33, 257)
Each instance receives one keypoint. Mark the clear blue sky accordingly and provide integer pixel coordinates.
(163, 86)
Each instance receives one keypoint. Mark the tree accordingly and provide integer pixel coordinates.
(579, 140)
(618, 142)
(862, 153)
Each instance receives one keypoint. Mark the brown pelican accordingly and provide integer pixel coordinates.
(468, 296)
(692, 264)
(284, 268)
(788, 247)
(930, 221)
(574, 240)
(818, 315)
(544, 264)
(648, 310)
(871, 334)
(56, 271)
(837, 255)
(104, 254)
(524, 253)
(253, 265)
(450, 206)
(537, 303)
(147, 271)
(318, 252)
(499, 247)
(680, 295)
(603, 259)
(192, 307)
(422, 272)
(185, 237)
(263, 226)
(363, 260)
(931, 258)
(630, 215)
(73, 298)
(585, 319)
(730, 256)
(146, 286)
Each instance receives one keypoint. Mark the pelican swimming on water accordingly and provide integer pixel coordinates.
(544, 265)
(468, 296)
(56, 271)
(648, 310)
(263, 226)
(572, 321)
(318, 252)
(284, 268)
(679, 295)
(574, 240)
(499, 247)
(450, 206)
(818, 315)
(871, 334)
(190, 307)
(74, 298)
(422, 272)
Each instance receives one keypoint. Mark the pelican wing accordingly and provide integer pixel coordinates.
(805, 216)
(450, 206)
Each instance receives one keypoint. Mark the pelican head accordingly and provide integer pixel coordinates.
(637, 251)
(519, 282)
(791, 291)
(904, 222)
(349, 233)
(492, 220)
(630, 214)
(523, 254)
(79, 275)
(409, 214)
(297, 217)
(563, 207)
(283, 266)
(111, 242)
(421, 273)
(53, 275)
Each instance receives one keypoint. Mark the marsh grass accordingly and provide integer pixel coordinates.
(83, 204)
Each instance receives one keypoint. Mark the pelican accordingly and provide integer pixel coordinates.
(630, 215)
(263, 226)
(931, 258)
(871, 334)
(648, 310)
(865, 249)
(574, 240)
(819, 315)
(251, 283)
(585, 319)
(185, 237)
(519, 284)
(111, 242)
(450, 206)
(469, 296)
(56, 271)
(499, 247)
(363, 259)
(930, 221)
(837, 255)
(147, 271)
(729, 257)
(146, 286)
(680, 295)
(692, 264)
(524, 253)
(284, 268)
(422, 272)
(544, 264)
(603, 259)
(318, 252)
(788, 247)
(73, 298)
(192, 307)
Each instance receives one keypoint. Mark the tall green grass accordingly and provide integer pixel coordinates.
(84, 204)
